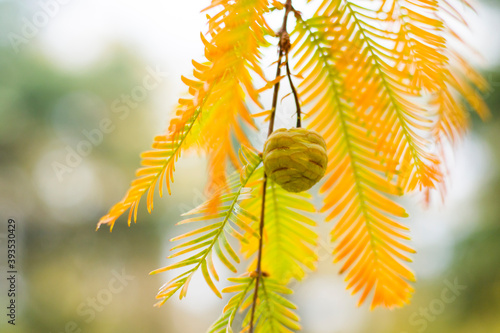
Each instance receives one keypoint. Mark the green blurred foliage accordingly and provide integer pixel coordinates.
(62, 260)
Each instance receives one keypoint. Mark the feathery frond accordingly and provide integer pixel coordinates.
(461, 85)
(236, 34)
(242, 287)
(383, 100)
(274, 313)
(219, 90)
(289, 240)
(158, 165)
(230, 219)
(356, 189)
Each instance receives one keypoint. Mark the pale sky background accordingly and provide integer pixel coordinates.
(166, 34)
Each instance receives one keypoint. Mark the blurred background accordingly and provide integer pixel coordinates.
(84, 88)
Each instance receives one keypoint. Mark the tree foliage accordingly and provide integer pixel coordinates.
(379, 80)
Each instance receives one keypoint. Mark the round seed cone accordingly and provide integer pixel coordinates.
(295, 158)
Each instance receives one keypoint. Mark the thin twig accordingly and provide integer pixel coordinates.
(275, 95)
(295, 94)
(282, 33)
(259, 258)
(262, 211)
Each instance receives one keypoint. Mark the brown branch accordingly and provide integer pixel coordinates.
(283, 48)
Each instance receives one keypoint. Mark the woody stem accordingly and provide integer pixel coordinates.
(282, 33)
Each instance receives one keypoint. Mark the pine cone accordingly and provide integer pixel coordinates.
(296, 158)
